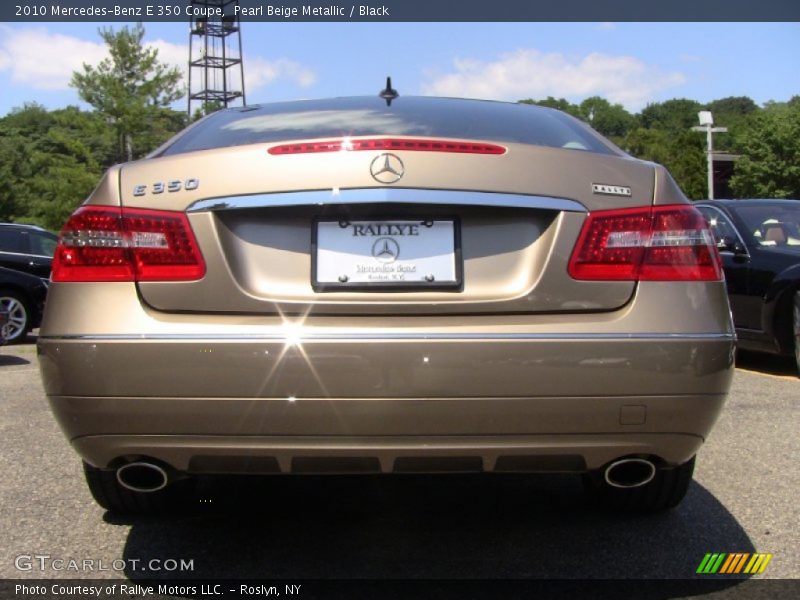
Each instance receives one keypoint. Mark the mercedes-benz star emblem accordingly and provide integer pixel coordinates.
(387, 168)
(385, 250)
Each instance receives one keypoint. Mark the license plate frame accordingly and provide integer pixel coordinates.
(416, 285)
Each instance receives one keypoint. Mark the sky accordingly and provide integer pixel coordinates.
(629, 63)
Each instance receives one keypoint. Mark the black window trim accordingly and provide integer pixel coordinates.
(733, 226)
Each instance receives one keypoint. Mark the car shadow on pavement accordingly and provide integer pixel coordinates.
(430, 527)
(11, 360)
(770, 364)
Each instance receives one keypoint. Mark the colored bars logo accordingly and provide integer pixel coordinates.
(728, 564)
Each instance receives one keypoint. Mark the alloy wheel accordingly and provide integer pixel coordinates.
(17, 318)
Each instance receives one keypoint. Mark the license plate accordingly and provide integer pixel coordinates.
(386, 254)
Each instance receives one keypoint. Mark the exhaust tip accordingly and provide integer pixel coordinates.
(142, 477)
(630, 473)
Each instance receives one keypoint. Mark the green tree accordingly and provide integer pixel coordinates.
(769, 166)
(49, 162)
(734, 112)
(67, 161)
(612, 120)
(133, 90)
(17, 130)
(732, 106)
(681, 152)
(558, 103)
(207, 108)
(678, 114)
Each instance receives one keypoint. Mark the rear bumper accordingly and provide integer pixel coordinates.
(386, 454)
(525, 393)
(378, 406)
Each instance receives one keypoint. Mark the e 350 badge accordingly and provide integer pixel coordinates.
(159, 187)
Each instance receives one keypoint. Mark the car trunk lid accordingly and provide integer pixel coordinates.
(515, 218)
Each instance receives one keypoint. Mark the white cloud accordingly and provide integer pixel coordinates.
(44, 60)
(175, 55)
(40, 59)
(528, 73)
(259, 72)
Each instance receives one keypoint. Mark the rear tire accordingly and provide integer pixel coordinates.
(109, 494)
(666, 490)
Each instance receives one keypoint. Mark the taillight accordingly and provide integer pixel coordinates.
(659, 243)
(101, 243)
(418, 145)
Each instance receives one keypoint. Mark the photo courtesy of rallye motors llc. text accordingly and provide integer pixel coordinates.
(143, 591)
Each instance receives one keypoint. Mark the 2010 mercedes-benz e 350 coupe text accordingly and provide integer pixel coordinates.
(360, 285)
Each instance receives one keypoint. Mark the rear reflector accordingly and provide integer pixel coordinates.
(417, 145)
(659, 243)
(101, 243)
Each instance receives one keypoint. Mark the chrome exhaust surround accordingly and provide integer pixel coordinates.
(143, 477)
(630, 473)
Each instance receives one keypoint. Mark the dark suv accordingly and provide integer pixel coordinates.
(27, 248)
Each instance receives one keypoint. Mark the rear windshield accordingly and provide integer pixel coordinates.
(414, 116)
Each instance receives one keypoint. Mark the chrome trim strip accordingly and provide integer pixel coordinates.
(396, 336)
(26, 254)
(385, 196)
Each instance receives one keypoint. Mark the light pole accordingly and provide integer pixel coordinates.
(707, 125)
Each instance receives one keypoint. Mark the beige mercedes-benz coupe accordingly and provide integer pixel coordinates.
(387, 285)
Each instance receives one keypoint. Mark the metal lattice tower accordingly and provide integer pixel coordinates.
(215, 58)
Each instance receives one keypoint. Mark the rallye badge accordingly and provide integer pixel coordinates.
(612, 190)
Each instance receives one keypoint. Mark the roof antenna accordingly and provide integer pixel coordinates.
(388, 93)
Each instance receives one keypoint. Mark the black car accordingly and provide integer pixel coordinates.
(22, 296)
(27, 248)
(759, 242)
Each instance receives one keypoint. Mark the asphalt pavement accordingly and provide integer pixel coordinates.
(743, 499)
